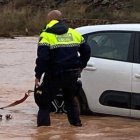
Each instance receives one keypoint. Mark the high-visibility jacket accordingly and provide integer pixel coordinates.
(58, 49)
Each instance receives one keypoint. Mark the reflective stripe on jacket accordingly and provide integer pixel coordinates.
(58, 49)
(70, 39)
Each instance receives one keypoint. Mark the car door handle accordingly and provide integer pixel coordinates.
(137, 76)
(90, 67)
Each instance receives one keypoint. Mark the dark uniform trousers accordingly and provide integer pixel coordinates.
(50, 87)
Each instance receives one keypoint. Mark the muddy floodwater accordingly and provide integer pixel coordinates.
(17, 61)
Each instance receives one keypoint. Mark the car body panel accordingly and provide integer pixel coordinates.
(107, 76)
(136, 88)
(102, 75)
(110, 27)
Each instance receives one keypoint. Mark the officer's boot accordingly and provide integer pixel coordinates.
(43, 118)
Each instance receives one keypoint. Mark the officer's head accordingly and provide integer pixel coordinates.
(54, 15)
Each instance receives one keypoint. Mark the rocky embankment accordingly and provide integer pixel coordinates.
(27, 16)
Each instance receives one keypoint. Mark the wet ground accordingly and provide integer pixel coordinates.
(17, 59)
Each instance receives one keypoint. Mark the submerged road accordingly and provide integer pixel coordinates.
(17, 61)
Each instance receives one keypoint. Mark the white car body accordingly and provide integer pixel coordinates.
(112, 83)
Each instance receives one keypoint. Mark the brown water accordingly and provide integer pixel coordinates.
(17, 59)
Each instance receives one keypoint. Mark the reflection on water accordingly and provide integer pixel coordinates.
(17, 61)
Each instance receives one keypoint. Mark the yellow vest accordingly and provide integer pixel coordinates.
(70, 39)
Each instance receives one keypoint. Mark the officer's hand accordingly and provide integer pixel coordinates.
(37, 83)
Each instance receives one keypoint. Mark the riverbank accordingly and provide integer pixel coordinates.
(24, 17)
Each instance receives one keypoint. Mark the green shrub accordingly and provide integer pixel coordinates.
(137, 5)
(20, 3)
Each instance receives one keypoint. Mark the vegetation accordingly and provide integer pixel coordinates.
(29, 16)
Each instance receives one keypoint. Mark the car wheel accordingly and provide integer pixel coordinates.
(82, 102)
(58, 105)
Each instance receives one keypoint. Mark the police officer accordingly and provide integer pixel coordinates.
(58, 58)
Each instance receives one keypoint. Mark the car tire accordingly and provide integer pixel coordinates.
(58, 105)
(81, 101)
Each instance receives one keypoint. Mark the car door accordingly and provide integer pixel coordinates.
(107, 77)
(135, 106)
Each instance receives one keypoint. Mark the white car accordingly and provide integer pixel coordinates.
(111, 80)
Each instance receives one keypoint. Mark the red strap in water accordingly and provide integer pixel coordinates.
(19, 101)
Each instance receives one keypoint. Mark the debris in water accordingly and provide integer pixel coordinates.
(8, 116)
(0, 117)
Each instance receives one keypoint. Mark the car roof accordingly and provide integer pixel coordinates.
(108, 27)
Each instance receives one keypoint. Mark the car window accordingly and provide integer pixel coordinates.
(109, 45)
